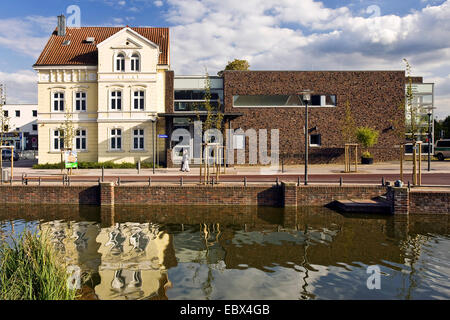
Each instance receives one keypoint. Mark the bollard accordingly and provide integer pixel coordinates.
(138, 166)
(181, 181)
(23, 178)
(118, 181)
(341, 181)
(282, 165)
(39, 181)
(298, 181)
(149, 181)
(245, 181)
(68, 181)
(64, 179)
(382, 182)
(103, 174)
(99, 180)
(409, 185)
(277, 181)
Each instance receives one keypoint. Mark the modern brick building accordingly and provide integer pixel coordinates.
(271, 100)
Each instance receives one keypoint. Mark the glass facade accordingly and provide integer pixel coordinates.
(419, 117)
(194, 100)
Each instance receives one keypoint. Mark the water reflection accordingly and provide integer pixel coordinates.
(243, 252)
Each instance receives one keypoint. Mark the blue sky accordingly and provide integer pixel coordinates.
(271, 34)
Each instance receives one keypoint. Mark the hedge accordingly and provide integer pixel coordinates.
(97, 165)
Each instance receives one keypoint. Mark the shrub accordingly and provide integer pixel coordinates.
(32, 269)
(367, 137)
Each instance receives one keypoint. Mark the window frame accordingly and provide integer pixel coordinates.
(59, 137)
(315, 144)
(81, 99)
(60, 100)
(81, 137)
(119, 57)
(138, 136)
(116, 98)
(139, 98)
(115, 136)
(135, 57)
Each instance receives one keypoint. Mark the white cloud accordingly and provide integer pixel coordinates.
(305, 35)
(158, 3)
(24, 35)
(21, 86)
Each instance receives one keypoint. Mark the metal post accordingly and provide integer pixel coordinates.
(278, 181)
(382, 181)
(118, 181)
(154, 151)
(181, 181)
(39, 181)
(429, 141)
(420, 165)
(103, 174)
(139, 167)
(414, 165)
(306, 143)
(298, 181)
(245, 181)
(149, 181)
(341, 182)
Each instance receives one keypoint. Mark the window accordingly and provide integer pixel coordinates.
(139, 100)
(35, 127)
(138, 139)
(315, 140)
(80, 139)
(116, 139)
(80, 101)
(120, 62)
(6, 113)
(116, 100)
(17, 113)
(282, 101)
(58, 140)
(135, 63)
(58, 101)
(194, 100)
(34, 113)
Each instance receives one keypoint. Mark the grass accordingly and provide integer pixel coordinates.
(97, 165)
(32, 269)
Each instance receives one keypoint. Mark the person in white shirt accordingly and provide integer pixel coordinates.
(185, 161)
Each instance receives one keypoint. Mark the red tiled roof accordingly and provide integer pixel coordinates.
(78, 52)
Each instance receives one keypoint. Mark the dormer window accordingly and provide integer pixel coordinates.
(135, 63)
(120, 62)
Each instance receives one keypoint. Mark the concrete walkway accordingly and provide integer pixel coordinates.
(385, 168)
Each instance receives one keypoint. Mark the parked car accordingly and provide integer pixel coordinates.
(6, 155)
(442, 149)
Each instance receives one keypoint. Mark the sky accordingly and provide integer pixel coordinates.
(270, 34)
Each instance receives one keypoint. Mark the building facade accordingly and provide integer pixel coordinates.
(107, 84)
(22, 127)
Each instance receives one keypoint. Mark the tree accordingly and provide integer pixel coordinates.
(415, 121)
(237, 64)
(348, 126)
(4, 122)
(446, 127)
(367, 137)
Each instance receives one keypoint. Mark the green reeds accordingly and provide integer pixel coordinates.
(32, 269)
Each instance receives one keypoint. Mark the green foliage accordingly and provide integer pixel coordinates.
(367, 137)
(236, 64)
(348, 126)
(97, 165)
(32, 269)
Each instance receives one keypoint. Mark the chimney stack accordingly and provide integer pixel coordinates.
(62, 25)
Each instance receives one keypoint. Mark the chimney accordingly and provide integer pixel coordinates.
(62, 25)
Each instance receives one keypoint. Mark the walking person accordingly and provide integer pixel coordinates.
(185, 161)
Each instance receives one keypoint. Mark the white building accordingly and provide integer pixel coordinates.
(22, 126)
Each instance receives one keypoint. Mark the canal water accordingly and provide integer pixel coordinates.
(243, 252)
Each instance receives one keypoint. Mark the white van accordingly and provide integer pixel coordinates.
(442, 149)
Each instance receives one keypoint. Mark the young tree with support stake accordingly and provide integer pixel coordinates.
(4, 122)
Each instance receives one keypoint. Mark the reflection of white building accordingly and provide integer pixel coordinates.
(132, 261)
(129, 257)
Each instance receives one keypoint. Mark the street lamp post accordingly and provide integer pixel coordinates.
(430, 114)
(306, 96)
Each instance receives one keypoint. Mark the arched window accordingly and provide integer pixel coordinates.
(120, 62)
(135, 63)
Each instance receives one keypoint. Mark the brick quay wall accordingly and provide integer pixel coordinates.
(284, 195)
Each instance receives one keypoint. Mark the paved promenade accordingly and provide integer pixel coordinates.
(324, 173)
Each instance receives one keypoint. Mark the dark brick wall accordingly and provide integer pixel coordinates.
(323, 195)
(199, 195)
(429, 202)
(374, 98)
(50, 195)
